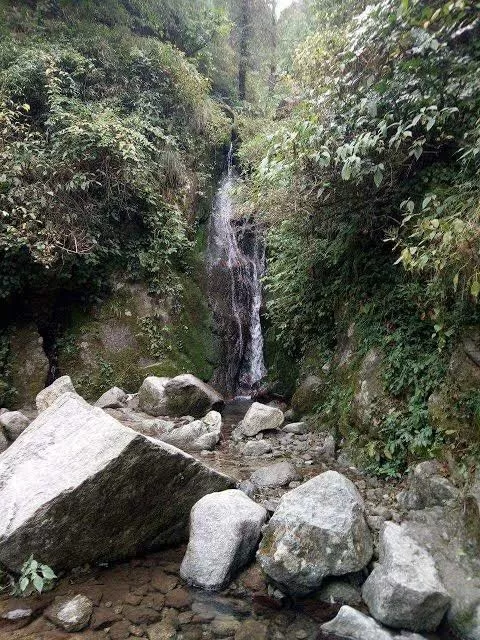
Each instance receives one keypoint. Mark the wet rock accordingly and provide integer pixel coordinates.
(427, 487)
(178, 396)
(114, 398)
(104, 617)
(275, 475)
(70, 487)
(297, 428)
(178, 598)
(71, 614)
(47, 396)
(252, 630)
(256, 448)
(198, 435)
(318, 530)
(164, 582)
(354, 625)
(14, 423)
(141, 614)
(260, 417)
(404, 590)
(224, 626)
(119, 630)
(225, 529)
(166, 629)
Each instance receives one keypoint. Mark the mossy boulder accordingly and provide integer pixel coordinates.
(27, 364)
(371, 402)
(308, 395)
(133, 334)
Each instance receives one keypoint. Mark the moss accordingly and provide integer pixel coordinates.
(27, 365)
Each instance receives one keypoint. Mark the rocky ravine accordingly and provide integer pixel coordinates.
(338, 554)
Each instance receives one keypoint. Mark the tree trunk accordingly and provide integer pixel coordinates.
(244, 48)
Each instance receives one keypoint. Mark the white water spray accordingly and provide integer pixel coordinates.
(236, 263)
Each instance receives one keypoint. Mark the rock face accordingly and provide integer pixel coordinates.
(427, 487)
(71, 614)
(260, 418)
(180, 396)
(354, 625)
(77, 487)
(318, 530)
(114, 398)
(275, 475)
(224, 532)
(47, 396)
(14, 423)
(197, 435)
(404, 590)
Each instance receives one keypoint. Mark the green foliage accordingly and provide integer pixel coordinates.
(379, 151)
(34, 576)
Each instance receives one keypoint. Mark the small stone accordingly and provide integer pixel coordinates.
(133, 599)
(119, 630)
(71, 614)
(103, 618)
(224, 626)
(252, 630)
(297, 428)
(141, 615)
(179, 598)
(135, 631)
(164, 582)
(17, 614)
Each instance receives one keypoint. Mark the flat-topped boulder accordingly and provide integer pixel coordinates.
(179, 396)
(260, 417)
(78, 487)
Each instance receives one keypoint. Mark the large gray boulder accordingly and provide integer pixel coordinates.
(275, 475)
(77, 487)
(353, 625)
(318, 530)
(404, 590)
(114, 398)
(47, 396)
(427, 487)
(14, 423)
(180, 396)
(197, 435)
(260, 417)
(225, 529)
(3, 442)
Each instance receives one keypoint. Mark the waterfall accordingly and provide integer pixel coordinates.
(236, 263)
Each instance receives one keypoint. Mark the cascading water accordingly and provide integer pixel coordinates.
(236, 263)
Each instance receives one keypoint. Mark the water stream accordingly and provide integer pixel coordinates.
(236, 263)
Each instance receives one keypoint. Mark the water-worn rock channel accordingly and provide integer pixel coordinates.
(145, 596)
